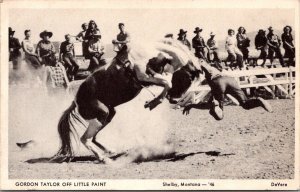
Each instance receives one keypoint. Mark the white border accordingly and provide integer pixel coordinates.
(154, 4)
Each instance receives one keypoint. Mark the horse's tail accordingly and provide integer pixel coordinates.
(65, 129)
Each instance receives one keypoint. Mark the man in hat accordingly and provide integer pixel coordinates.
(45, 49)
(96, 50)
(67, 54)
(274, 43)
(261, 43)
(199, 44)
(14, 48)
(182, 38)
(212, 47)
(85, 43)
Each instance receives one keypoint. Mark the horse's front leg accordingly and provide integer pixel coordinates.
(159, 99)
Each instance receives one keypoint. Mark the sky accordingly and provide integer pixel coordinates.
(149, 24)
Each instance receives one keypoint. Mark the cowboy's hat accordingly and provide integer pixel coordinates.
(212, 34)
(182, 32)
(10, 31)
(46, 33)
(197, 30)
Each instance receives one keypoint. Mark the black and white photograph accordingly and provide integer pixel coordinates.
(141, 95)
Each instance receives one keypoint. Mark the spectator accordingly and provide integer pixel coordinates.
(274, 46)
(182, 38)
(67, 54)
(121, 44)
(287, 40)
(96, 50)
(234, 54)
(261, 43)
(212, 47)
(85, 43)
(14, 49)
(243, 42)
(92, 29)
(45, 49)
(199, 44)
(29, 51)
(55, 78)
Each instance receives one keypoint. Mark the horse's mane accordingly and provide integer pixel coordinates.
(141, 53)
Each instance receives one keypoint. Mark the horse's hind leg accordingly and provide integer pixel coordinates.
(95, 125)
(111, 114)
(87, 139)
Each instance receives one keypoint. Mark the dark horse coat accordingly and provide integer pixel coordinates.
(96, 97)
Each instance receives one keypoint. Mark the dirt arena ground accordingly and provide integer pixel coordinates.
(251, 144)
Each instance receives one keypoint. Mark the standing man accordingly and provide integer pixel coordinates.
(212, 47)
(274, 46)
(199, 44)
(81, 37)
(261, 43)
(182, 38)
(121, 44)
(14, 48)
(67, 54)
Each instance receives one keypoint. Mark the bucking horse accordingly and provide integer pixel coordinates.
(108, 87)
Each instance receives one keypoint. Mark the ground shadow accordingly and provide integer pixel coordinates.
(170, 157)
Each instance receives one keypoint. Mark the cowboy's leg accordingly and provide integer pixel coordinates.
(218, 88)
(235, 90)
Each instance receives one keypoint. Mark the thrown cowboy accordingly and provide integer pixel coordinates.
(220, 85)
(199, 44)
(182, 38)
(96, 51)
(274, 43)
(45, 49)
(14, 48)
(67, 55)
